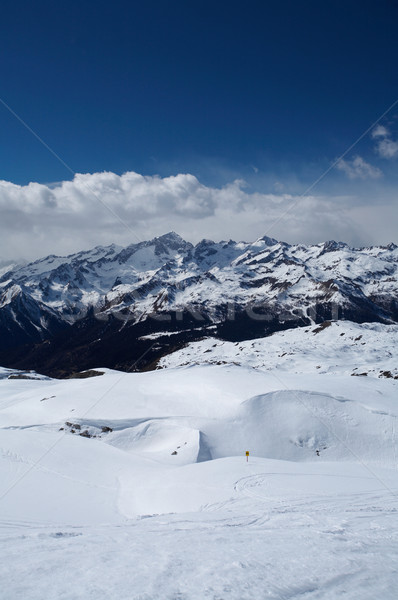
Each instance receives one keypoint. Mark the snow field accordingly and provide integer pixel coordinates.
(340, 347)
(155, 501)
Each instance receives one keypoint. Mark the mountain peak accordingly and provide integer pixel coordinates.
(171, 236)
(331, 246)
(268, 240)
(172, 241)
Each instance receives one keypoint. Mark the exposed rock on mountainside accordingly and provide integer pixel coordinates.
(126, 307)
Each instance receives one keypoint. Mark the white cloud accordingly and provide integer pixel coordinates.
(358, 168)
(380, 131)
(102, 208)
(386, 147)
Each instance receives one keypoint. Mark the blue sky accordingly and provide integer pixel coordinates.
(266, 92)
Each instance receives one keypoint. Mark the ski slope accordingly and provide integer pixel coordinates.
(155, 501)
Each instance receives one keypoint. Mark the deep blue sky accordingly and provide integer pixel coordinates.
(212, 88)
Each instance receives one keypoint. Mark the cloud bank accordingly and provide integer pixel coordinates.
(102, 208)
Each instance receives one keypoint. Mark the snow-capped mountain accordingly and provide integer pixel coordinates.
(103, 305)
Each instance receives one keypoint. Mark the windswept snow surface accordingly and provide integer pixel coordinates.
(159, 502)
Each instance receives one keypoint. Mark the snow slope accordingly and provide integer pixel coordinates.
(340, 347)
(155, 500)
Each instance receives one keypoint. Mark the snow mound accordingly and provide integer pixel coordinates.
(164, 440)
(296, 425)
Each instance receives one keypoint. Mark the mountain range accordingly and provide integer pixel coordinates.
(126, 308)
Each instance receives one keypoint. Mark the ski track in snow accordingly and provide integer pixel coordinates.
(247, 548)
